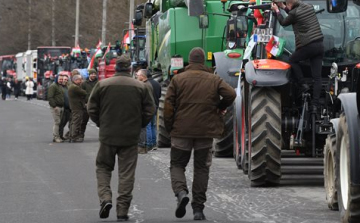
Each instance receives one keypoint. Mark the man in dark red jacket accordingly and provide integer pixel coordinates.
(194, 104)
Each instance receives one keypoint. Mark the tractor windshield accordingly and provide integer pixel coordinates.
(339, 29)
(7, 65)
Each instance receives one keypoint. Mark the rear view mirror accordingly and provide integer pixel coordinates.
(335, 6)
(203, 21)
(148, 10)
(138, 17)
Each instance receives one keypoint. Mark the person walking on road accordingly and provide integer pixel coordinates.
(77, 106)
(151, 127)
(143, 146)
(29, 90)
(56, 102)
(309, 43)
(87, 85)
(17, 88)
(66, 117)
(8, 88)
(194, 105)
(3, 88)
(120, 106)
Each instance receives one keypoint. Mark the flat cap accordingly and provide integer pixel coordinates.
(123, 62)
(75, 72)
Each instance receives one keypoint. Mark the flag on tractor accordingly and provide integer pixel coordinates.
(126, 39)
(98, 45)
(275, 46)
(97, 54)
(75, 52)
(107, 50)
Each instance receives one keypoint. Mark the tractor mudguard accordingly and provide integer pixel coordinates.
(228, 68)
(335, 123)
(267, 72)
(348, 101)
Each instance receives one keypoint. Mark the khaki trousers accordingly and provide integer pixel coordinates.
(57, 113)
(75, 124)
(105, 162)
(180, 155)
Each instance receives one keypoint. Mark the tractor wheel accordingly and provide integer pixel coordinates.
(348, 191)
(244, 132)
(236, 141)
(330, 178)
(265, 136)
(223, 147)
(163, 139)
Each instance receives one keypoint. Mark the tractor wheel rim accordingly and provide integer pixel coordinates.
(330, 174)
(344, 173)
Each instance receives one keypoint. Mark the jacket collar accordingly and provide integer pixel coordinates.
(122, 73)
(197, 66)
(295, 5)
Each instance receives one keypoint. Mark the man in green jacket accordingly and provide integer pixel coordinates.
(77, 106)
(56, 101)
(194, 104)
(120, 106)
(87, 85)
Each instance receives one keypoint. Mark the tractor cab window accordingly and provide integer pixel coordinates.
(7, 65)
(236, 32)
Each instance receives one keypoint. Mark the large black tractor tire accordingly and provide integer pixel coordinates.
(236, 140)
(265, 136)
(245, 136)
(348, 192)
(163, 139)
(223, 147)
(330, 179)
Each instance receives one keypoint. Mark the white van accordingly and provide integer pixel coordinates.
(20, 66)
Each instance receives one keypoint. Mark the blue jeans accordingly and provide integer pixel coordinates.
(151, 133)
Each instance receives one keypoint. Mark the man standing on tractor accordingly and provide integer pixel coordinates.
(309, 42)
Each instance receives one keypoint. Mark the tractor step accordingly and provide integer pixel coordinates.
(302, 161)
(308, 170)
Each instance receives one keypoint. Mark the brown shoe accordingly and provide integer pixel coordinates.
(142, 150)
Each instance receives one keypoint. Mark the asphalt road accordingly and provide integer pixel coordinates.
(44, 182)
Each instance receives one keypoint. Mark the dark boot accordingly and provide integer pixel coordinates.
(105, 209)
(199, 214)
(123, 218)
(183, 200)
(303, 89)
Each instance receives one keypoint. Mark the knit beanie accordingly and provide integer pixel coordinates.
(92, 71)
(197, 55)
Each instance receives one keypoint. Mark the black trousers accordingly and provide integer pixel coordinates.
(65, 118)
(315, 53)
(84, 123)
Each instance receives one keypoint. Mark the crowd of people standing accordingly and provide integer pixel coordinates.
(11, 85)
